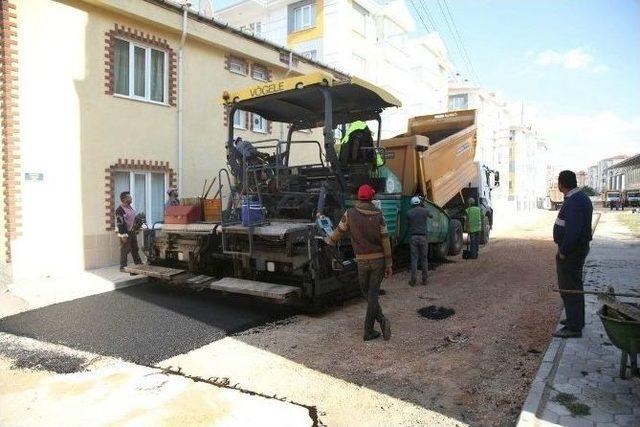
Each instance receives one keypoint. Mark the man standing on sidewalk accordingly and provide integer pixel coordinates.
(474, 226)
(125, 219)
(572, 234)
(417, 218)
(370, 241)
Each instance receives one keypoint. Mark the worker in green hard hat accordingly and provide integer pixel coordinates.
(473, 226)
(357, 136)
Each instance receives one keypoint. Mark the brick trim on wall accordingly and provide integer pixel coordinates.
(129, 165)
(9, 123)
(147, 39)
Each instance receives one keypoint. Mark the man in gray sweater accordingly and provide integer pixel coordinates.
(417, 227)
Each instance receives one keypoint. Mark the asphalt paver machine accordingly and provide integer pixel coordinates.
(283, 196)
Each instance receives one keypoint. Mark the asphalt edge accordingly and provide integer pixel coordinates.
(542, 385)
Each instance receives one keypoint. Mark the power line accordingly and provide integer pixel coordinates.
(428, 13)
(434, 26)
(464, 48)
(455, 39)
(419, 16)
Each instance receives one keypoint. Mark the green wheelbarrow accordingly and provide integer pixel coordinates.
(624, 334)
(621, 321)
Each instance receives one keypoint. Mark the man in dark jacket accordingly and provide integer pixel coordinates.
(370, 241)
(125, 221)
(417, 218)
(572, 234)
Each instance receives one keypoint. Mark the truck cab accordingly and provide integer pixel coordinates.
(611, 199)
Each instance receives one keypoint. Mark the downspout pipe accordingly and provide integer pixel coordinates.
(183, 38)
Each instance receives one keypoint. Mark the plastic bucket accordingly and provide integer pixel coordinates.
(252, 213)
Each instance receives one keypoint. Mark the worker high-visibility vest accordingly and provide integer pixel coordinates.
(360, 125)
(474, 221)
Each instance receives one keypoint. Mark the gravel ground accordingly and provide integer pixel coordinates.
(474, 367)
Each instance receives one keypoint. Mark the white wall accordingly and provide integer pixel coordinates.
(414, 69)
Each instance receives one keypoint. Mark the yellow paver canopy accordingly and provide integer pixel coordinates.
(300, 100)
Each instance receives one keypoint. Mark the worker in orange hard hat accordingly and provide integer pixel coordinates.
(370, 241)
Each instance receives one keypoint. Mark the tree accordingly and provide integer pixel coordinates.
(589, 191)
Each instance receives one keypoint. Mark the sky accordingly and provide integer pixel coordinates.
(574, 63)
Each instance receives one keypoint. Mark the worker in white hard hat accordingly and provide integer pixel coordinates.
(417, 219)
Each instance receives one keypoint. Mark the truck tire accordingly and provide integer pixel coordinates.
(441, 249)
(455, 237)
(486, 230)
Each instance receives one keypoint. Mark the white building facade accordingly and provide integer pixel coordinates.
(362, 38)
(592, 177)
(601, 174)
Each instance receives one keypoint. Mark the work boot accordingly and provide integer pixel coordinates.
(567, 333)
(412, 282)
(385, 325)
(368, 336)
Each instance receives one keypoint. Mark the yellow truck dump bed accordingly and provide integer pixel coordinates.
(435, 156)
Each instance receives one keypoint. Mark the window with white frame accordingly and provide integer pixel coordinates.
(240, 120)
(458, 102)
(301, 15)
(254, 28)
(238, 66)
(360, 15)
(140, 71)
(258, 124)
(147, 190)
(310, 54)
(259, 72)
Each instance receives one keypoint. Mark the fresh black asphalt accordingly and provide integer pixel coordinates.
(144, 324)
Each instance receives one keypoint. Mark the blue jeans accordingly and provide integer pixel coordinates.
(419, 251)
(569, 273)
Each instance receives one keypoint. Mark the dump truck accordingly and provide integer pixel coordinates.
(268, 240)
(632, 197)
(611, 199)
(555, 196)
(435, 159)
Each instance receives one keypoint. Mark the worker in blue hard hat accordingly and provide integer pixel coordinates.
(358, 136)
(417, 219)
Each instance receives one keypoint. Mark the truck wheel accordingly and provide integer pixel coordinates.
(455, 237)
(486, 230)
(442, 249)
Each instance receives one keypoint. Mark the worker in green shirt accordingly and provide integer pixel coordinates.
(357, 136)
(473, 225)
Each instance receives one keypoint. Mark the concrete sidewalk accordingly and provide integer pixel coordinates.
(30, 294)
(578, 383)
(48, 384)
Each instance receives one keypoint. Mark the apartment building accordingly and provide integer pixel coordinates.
(523, 160)
(365, 38)
(582, 178)
(601, 173)
(624, 175)
(592, 177)
(101, 104)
